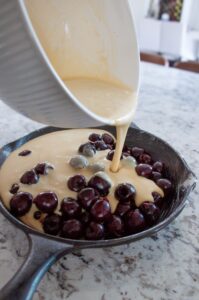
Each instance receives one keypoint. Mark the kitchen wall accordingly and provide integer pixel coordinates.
(187, 47)
(140, 10)
(194, 19)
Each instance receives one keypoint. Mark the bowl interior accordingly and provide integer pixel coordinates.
(178, 171)
(109, 50)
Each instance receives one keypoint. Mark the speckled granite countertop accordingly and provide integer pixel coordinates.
(164, 267)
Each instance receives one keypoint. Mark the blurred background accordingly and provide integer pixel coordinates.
(168, 32)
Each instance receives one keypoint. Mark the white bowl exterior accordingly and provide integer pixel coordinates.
(30, 84)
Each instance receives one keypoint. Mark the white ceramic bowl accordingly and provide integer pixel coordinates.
(29, 83)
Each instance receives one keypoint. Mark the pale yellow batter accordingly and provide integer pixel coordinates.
(106, 99)
(57, 149)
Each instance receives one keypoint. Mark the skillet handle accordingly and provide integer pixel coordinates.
(41, 256)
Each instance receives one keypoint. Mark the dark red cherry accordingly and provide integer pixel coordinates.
(94, 231)
(14, 188)
(93, 137)
(150, 211)
(46, 202)
(144, 170)
(72, 229)
(157, 199)
(126, 149)
(136, 151)
(105, 199)
(87, 197)
(113, 146)
(101, 211)
(85, 218)
(164, 184)
(111, 154)
(125, 154)
(87, 149)
(37, 215)
(115, 226)
(125, 192)
(122, 209)
(43, 168)
(100, 146)
(20, 204)
(145, 158)
(29, 177)
(100, 184)
(155, 175)
(52, 224)
(70, 208)
(76, 183)
(135, 221)
(24, 153)
(158, 166)
(108, 139)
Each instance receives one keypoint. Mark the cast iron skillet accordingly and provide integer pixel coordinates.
(44, 249)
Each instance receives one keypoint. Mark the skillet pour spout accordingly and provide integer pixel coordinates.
(45, 250)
